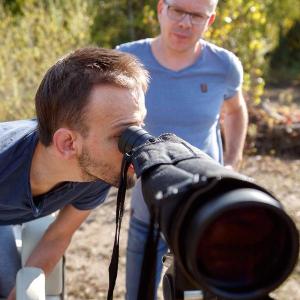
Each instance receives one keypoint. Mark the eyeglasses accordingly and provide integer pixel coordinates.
(177, 14)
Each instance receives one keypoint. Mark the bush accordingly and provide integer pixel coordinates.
(32, 41)
(285, 59)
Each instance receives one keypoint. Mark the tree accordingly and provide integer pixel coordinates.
(120, 21)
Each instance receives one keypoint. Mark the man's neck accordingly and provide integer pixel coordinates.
(171, 59)
(48, 171)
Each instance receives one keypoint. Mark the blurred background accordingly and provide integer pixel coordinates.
(265, 34)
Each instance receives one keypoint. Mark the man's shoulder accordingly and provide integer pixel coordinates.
(14, 132)
(18, 125)
(17, 143)
(220, 53)
(135, 47)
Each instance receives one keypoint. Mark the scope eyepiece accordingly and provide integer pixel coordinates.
(132, 137)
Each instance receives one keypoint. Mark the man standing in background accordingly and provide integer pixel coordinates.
(192, 81)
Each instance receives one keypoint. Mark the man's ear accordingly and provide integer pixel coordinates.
(212, 19)
(65, 142)
(160, 4)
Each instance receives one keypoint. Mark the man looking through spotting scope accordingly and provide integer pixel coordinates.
(66, 159)
(192, 82)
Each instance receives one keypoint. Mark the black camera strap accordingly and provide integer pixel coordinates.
(113, 266)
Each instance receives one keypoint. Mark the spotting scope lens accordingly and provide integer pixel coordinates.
(238, 243)
(237, 248)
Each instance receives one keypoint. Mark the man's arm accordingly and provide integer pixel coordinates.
(235, 122)
(55, 241)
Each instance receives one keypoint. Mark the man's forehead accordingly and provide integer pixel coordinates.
(106, 98)
(194, 5)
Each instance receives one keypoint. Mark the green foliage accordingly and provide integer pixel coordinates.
(14, 6)
(31, 43)
(241, 27)
(285, 59)
(120, 21)
(34, 33)
(284, 17)
(282, 13)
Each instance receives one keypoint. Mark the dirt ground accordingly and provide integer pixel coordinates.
(89, 254)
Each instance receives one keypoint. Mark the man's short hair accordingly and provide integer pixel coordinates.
(64, 92)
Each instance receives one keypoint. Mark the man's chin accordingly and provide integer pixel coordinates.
(131, 180)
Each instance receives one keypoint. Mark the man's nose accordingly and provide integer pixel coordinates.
(186, 21)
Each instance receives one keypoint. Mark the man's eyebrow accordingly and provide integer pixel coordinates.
(200, 14)
(124, 125)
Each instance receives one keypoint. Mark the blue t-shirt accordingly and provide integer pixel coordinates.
(188, 102)
(18, 140)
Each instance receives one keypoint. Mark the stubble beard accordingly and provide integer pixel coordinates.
(92, 171)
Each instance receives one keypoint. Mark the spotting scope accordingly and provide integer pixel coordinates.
(228, 235)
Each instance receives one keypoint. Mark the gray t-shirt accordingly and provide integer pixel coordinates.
(187, 102)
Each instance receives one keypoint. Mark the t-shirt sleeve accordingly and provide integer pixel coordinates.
(92, 195)
(234, 79)
(118, 47)
(123, 47)
(130, 48)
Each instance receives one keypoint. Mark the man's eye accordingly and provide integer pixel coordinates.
(198, 17)
(177, 11)
(115, 137)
